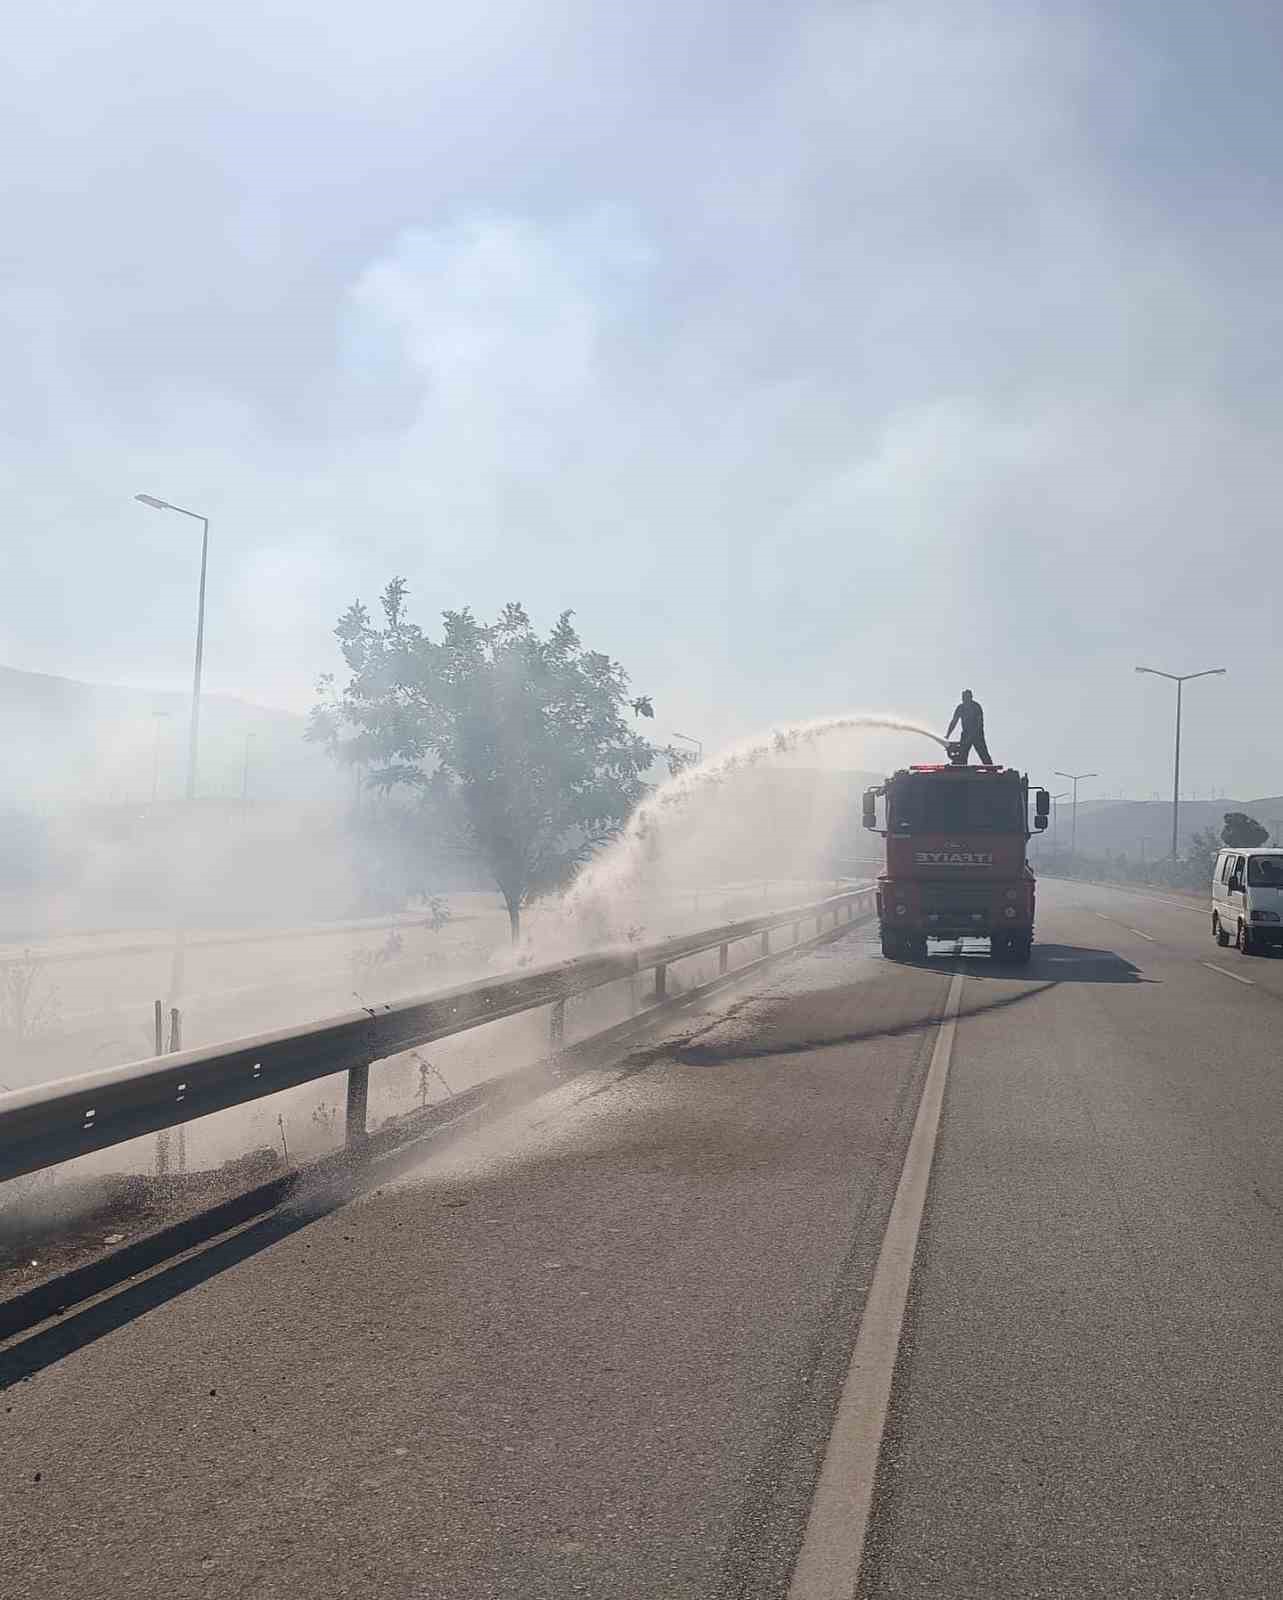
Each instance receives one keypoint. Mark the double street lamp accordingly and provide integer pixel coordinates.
(1180, 679)
(1074, 778)
(164, 505)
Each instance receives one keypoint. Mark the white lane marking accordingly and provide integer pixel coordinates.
(828, 1566)
(1117, 924)
(1226, 973)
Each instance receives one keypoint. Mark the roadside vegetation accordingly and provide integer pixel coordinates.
(1191, 872)
(515, 749)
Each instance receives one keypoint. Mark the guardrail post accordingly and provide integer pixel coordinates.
(358, 1096)
(176, 1044)
(162, 1138)
(661, 982)
(723, 958)
(766, 941)
(557, 1024)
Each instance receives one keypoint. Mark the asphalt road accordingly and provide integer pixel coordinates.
(597, 1350)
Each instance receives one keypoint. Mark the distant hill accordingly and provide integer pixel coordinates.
(1144, 827)
(70, 745)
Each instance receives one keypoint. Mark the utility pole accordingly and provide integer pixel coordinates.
(1074, 778)
(245, 771)
(1180, 679)
(164, 505)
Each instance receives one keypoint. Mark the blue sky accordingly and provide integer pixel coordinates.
(821, 357)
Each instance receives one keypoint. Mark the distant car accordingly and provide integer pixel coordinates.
(1247, 899)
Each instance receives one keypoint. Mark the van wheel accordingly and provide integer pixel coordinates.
(1246, 943)
(1219, 933)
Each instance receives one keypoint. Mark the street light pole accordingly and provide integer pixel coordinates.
(1055, 814)
(1180, 679)
(1074, 777)
(164, 505)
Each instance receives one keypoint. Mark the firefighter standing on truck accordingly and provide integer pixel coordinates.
(970, 719)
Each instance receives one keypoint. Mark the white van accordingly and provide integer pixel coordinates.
(1247, 899)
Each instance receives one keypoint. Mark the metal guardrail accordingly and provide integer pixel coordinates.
(56, 1122)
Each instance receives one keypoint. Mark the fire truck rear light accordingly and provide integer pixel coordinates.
(1013, 894)
(901, 911)
(1010, 911)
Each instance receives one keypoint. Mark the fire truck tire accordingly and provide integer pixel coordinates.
(891, 946)
(1019, 949)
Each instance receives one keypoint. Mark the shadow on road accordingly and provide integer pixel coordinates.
(1058, 963)
(26, 1357)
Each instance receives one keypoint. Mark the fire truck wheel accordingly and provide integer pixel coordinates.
(1019, 949)
(891, 946)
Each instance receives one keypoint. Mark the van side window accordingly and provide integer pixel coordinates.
(1227, 862)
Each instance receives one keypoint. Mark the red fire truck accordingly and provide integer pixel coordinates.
(956, 864)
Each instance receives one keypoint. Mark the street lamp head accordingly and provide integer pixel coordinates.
(151, 500)
(1184, 677)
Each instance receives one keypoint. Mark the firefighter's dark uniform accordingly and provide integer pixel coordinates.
(971, 717)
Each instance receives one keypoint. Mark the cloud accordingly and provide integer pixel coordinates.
(817, 356)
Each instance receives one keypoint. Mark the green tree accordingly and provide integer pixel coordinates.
(1243, 831)
(517, 744)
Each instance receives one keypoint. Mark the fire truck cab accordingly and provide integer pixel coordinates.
(956, 861)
